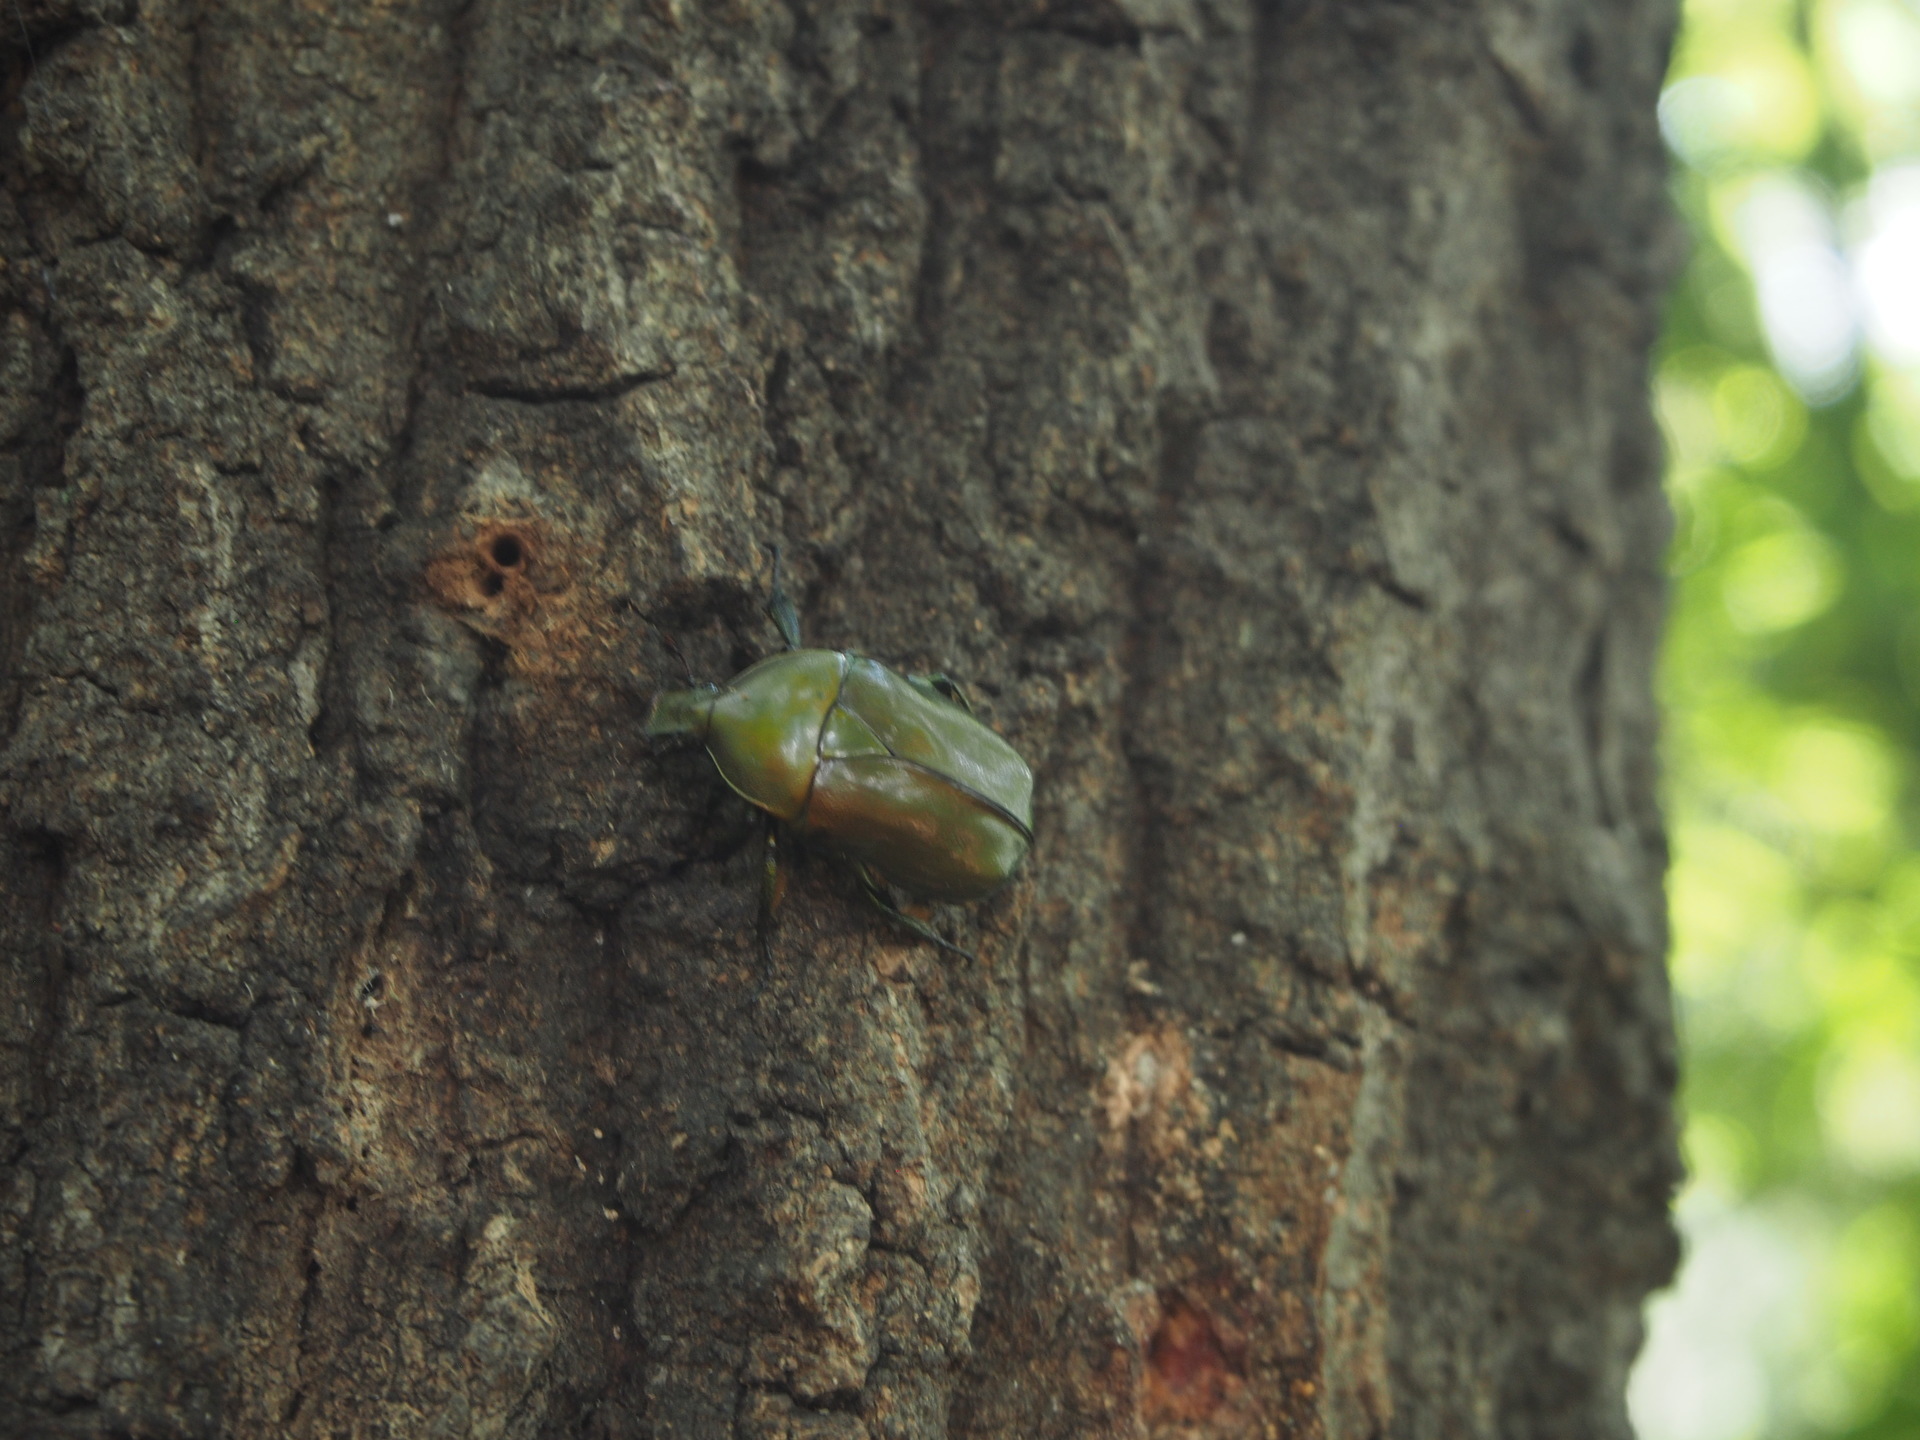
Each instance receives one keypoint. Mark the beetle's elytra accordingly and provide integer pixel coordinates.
(889, 770)
(882, 768)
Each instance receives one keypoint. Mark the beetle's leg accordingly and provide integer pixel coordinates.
(947, 688)
(880, 901)
(773, 880)
(780, 609)
(773, 885)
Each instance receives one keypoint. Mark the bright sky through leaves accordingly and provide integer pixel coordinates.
(1788, 384)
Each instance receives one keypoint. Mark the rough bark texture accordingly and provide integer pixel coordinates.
(1245, 400)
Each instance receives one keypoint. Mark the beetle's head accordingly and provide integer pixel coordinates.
(683, 712)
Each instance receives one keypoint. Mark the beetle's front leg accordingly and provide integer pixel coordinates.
(780, 609)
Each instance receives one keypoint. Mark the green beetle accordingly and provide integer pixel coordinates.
(891, 771)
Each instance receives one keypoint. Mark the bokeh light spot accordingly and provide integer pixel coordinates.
(1870, 1109)
(1780, 581)
(1758, 420)
(1837, 778)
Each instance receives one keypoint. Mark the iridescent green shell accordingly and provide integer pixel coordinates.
(880, 767)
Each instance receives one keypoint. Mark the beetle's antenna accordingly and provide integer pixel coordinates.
(25, 35)
(780, 607)
(673, 649)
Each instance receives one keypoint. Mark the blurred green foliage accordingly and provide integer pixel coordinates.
(1788, 384)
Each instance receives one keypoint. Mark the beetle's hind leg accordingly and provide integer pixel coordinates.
(879, 899)
(946, 687)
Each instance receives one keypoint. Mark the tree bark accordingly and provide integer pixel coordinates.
(1244, 400)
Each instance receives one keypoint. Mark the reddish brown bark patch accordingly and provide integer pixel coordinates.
(512, 580)
(477, 575)
(1191, 1371)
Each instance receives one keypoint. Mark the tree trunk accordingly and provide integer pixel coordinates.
(1244, 400)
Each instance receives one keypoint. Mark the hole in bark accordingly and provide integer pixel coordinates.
(493, 584)
(1583, 58)
(508, 551)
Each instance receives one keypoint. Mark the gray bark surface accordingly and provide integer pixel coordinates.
(1245, 400)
